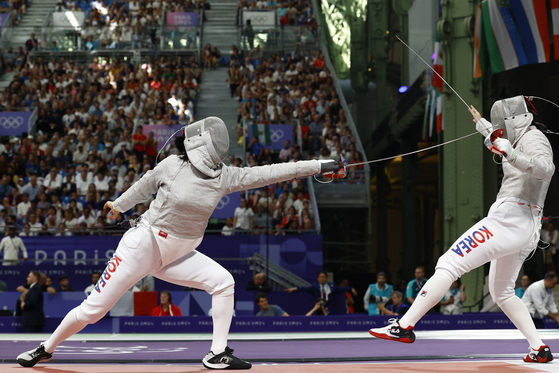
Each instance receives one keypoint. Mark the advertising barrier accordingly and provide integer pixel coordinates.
(348, 323)
(300, 254)
(14, 123)
(182, 19)
(68, 19)
(260, 18)
(278, 133)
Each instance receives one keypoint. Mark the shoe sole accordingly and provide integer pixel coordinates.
(384, 336)
(540, 360)
(222, 366)
(30, 364)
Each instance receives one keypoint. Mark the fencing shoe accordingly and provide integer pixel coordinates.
(32, 357)
(394, 332)
(541, 355)
(225, 360)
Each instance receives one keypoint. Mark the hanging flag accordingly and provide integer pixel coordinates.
(262, 132)
(439, 114)
(425, 131)
(432, 111)
(438, 64)
(531, 19)
(479, 45)
(505, 49)
(555, 19)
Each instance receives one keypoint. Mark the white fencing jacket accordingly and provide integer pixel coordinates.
(528, 177)
(186, 197)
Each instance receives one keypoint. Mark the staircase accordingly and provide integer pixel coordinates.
(31, 22)
(215, 99)
(220, 29)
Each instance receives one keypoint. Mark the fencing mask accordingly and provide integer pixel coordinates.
(207, 144)
(512, 115)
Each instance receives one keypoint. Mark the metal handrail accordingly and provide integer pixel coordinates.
(278, 277)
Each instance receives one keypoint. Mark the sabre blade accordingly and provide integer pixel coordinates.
(439, 75)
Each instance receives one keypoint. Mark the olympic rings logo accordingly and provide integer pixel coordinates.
(276, 135)
(259, 19)
(222, 203)
(11, 122)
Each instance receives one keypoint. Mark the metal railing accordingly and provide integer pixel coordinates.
(278, 277)
(95, 38)
(279, 39)
(7, 31)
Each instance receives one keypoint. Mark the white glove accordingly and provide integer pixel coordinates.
(505, 148)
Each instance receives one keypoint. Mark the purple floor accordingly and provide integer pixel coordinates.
(276, 351)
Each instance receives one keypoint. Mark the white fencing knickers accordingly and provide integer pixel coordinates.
(505, 237)
(138, 255)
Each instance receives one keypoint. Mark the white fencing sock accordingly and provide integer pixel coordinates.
(431, 293)
(222, 314)
(67, 328)
(517, 312)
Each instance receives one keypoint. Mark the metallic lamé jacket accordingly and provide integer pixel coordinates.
(528, 176)
(186, 197)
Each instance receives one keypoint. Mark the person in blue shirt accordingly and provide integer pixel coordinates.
(267, 309)
(396, 306)
(256, 148)
(414, 286)
(322, 288)
(379, 291)
(525, 282)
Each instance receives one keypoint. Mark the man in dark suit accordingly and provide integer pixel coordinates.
(32, 316)
(322, 288)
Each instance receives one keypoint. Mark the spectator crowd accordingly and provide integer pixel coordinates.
(90, 146)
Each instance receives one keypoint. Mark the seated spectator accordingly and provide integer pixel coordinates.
(64, 284)
(452, 303)
(23, 206)
(349, 302)
(243, 220)
(538, 298)
(395, 306)
(228, 228)
(34, 224)
(285, 153)
(268, 309)
(87, 218)
(53, 181)
(166, 308)
(322, 288)
(525, 282)
(379, 292)
(319, 308)
(95, 276)
(259, 284)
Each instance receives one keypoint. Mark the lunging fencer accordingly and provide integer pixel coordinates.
(163, 243)
(509, 233)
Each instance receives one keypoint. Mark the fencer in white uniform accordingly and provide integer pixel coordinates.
(508, 234)
(163, 243)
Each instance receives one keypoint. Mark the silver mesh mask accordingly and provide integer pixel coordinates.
(512, 116)
(207, 143)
